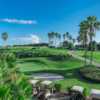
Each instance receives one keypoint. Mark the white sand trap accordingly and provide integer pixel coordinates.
(47, 76)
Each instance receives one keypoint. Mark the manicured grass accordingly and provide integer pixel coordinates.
(43, 63)
(68, 68)
(96, 55)
(74, 81)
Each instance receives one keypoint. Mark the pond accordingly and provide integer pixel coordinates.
(48, 76)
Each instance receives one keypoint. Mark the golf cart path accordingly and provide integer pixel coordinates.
(73, 54)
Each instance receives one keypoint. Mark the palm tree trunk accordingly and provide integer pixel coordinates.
(5, 44)
(91, 49)
(85, 53)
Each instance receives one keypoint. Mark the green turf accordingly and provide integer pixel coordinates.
(67, 68)
(96, 55)
(42, 63)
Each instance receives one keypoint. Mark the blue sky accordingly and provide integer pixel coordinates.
(24, 19)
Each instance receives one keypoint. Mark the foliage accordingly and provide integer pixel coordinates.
(41, 52)
(87, 31)
(54, 39)
(91, 73)
(4, 36)
(13, 85)
(57, 87)
(85, 92)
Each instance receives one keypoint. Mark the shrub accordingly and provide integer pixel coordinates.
(90, 73)
(85, 92)
(57, 87)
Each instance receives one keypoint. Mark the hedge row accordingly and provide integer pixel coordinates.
(26, 54)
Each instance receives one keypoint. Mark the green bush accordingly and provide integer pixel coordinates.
(91, 73)
(40, 52)
(85, 92)
(13, 85)
(57, 87)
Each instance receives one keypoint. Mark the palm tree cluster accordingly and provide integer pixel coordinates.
(87, 33)
(68, 40)
(55, 39)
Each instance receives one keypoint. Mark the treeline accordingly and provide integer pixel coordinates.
(56, 40)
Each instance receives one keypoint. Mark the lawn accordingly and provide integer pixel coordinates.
(66, 67)
(96, 55)
(44, 63)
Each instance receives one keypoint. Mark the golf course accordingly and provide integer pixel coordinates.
(67, 67)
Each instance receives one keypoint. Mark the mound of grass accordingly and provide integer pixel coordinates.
(90, 73)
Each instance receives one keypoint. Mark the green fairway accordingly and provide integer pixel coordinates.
(96, 55)
(67, 68)
(43, 63)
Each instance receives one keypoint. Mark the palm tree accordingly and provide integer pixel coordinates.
(55, 37)
(73, 40)
(93, 25)
(83, 36)
(51, 38)
(59, 39)
(66, 36)
(70, 38)
(88, 28)
(78, 39)
(5, 37)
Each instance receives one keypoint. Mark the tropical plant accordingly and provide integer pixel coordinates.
(54, 39)
(51, 37)
(70, 38)
(58, 39)
(66, 36)
(93, 25)
(87, 31)
(83, 36)
(13, 85)
(4, 36)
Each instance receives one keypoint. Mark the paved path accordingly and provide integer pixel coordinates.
(72, 53)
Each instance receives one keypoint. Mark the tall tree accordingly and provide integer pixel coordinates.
(66, 36)
(51, 38)
(4, 36)
(93, 25)
(83, 37)
(54, 39)
(59, 39)
(70, 38)
(88, 29)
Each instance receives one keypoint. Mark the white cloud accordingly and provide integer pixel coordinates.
(18, 21)
(34, 39)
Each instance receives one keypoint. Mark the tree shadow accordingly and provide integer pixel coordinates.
(33, 61)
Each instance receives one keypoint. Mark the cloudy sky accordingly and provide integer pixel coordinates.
(29, 21)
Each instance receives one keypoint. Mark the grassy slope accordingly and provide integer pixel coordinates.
(66, 68)
(96, 55)
(40, 63)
